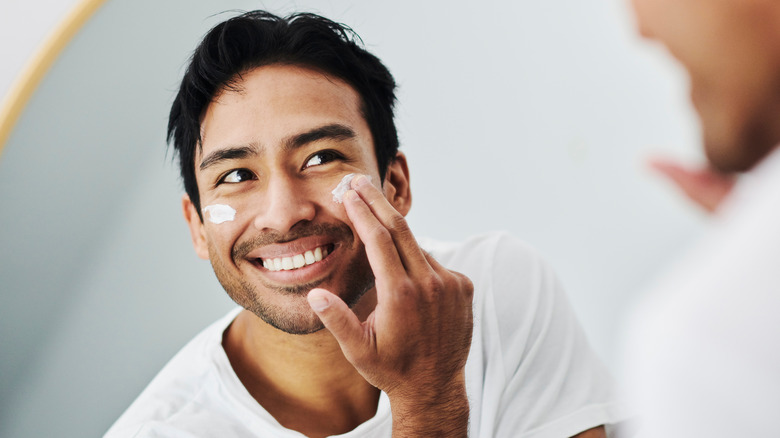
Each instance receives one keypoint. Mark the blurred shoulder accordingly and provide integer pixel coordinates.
(496, 254)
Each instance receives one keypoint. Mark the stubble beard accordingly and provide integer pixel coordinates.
(286, 307)
(737, 135)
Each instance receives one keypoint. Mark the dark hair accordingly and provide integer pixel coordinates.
(259, 38)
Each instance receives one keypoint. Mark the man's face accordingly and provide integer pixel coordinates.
(731, 49)
(273, 150)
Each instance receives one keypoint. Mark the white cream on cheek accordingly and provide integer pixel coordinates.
(343, 187)
(219, 213)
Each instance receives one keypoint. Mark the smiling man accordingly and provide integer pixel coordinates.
(271, 152)
(346, 325)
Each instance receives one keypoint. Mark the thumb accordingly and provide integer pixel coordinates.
(339, 319)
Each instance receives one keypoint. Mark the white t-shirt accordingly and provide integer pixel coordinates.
(530, 372)
(703, 351)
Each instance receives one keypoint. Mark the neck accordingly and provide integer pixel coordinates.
(304, 381)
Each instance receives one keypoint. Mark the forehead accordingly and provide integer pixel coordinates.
(272, 102)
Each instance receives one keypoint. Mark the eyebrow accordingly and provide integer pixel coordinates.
(230, 153)
(333, 131)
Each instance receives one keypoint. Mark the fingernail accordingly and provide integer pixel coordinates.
(318, 302)
(360, 180)
(351, 196)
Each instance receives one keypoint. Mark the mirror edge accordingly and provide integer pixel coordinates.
(28, 79)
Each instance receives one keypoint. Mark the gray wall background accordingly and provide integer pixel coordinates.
(533, 117)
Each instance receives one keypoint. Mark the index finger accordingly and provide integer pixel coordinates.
(381, 250)
(410, 252)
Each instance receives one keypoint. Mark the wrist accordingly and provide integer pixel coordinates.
(430, 412)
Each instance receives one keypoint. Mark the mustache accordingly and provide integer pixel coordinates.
(335, 231)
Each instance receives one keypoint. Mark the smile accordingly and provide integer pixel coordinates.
(298, 260)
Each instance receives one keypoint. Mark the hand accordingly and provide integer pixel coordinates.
(706, 187)
(415, 343)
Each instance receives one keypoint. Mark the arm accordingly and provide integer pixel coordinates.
(415, 344)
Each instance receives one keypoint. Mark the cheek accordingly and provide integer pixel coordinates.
(221, 237)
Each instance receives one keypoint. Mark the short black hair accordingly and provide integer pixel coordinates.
(257, 38)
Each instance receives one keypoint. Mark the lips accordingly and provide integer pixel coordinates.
(302, 255)
(296, 261)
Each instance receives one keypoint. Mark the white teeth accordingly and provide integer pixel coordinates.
(296, 261)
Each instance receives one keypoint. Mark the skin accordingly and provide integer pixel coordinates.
(404, 328)
(705, 187)
(731, 50)
(313, 383)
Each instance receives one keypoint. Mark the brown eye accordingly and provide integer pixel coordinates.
(237, 176)
(322, 157)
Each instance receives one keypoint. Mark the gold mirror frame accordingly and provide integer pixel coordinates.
(25, 84)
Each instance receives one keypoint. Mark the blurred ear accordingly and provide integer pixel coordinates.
(197, 230)
(396, 185)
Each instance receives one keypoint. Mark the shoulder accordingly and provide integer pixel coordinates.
(516, 293)
(498, 263)
(529, 353)
(484, 253)
(715, 309)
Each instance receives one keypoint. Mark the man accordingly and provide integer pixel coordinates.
(704, 353)
(346, 326)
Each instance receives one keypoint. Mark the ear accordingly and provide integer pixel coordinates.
(396, 184)
(197, 230)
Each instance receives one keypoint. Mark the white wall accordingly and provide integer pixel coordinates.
(528, 116)
(24, 25)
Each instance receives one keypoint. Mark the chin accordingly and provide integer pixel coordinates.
(738, 131)
(293, 324)
(294, 316)
(285, 306)
(290, 312)
(738, 152)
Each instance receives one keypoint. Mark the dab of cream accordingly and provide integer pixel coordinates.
(219, 213)
(343, 187)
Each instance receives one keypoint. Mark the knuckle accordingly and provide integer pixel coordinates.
(463, 284)
(432, 285)
(380, 233)
(398, 223)
(468, 288)
(407, 288)
(435, 283)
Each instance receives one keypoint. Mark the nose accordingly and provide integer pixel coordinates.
(285, 204)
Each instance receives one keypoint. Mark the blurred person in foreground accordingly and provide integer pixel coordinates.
(703, 352)
(347, 324)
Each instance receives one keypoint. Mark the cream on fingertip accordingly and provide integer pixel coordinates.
(344, 186)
